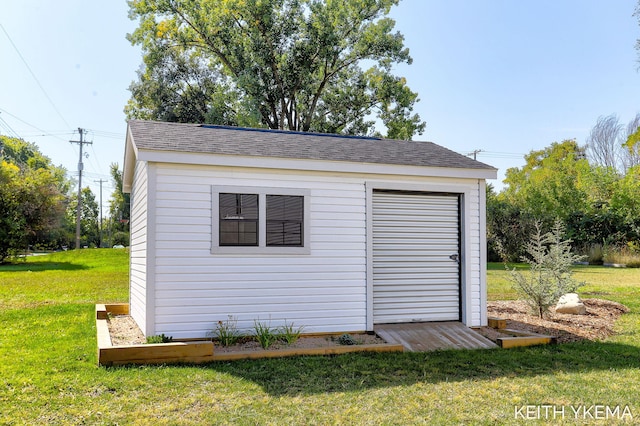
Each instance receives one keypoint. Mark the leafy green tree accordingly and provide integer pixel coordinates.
(632, 145)
(31, 197)
(557, 182)
(552, 184)
(89, 218)
(119, 208)
(625, 204)
(281, 64)
(177, 86)
(12, 233)
(508, 228)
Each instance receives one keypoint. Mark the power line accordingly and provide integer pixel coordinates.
(474, 153)
(491, 154)
(106, 134)
(10, 131)
(44, 132)
(34, 76)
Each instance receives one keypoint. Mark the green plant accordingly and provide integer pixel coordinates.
(550, 259)
(227, 331)
(159, 338)
(288, 333)
(264, 334)
(347, 339)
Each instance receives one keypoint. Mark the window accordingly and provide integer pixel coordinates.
(251, 220)
(285, 221)
(238, 219)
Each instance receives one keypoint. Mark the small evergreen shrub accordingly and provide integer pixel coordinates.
(550, 258)
(347, 339)
(159, 338)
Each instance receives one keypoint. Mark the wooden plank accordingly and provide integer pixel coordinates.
(101, 312)
(117, 308)
(104, 338)
(495, 322)
(192, 352)
(337, 350)
(512, 342)
(520, 338)
(419, 337)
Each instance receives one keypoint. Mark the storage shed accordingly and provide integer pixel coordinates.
(332, 233)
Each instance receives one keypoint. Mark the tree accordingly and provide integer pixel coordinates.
(550, 258)
(281, 64)
(11, 224)
(632, 143)
(603, 142)
(555, 183)
(625, 204)
(89, 218)
(31, 197)
(508, 228)
(178, 86)
(612, 145)
(552, 184)
(119, 210)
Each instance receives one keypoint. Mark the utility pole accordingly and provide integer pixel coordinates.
(101, 181)
(474, 153)
(81, 142)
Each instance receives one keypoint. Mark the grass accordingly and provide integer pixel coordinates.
(48, 372)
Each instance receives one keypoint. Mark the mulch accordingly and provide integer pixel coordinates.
(597, 324)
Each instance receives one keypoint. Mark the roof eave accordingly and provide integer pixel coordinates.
(208, 159)
(128, 168)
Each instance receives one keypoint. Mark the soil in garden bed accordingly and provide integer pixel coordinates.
(124, 331)
(597, 324)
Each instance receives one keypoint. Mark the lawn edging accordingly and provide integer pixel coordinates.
(197, 351)
(517, 338)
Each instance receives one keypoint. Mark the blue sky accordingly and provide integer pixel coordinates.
(502, 76)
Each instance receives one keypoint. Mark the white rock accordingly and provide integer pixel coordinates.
(570, 303)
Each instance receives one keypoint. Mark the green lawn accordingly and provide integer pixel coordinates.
(48, 372)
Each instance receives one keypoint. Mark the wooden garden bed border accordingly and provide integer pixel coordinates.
(519, 338)
(197, 351)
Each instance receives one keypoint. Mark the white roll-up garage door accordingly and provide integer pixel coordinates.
(416, 247)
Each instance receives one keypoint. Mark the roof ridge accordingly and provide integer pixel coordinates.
(288, 132)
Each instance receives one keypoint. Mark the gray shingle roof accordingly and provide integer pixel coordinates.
(196, 138)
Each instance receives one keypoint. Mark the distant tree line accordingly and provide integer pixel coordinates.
(594, 190)
(38, 205)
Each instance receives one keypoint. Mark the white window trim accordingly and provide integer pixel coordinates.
(261, 248)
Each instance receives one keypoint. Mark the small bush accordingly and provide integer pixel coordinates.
(346, 339)
(264, 334)
(160, 338)
(550, 258)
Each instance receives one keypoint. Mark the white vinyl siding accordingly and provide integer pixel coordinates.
(324, 290)
(138, 246)
(414, 277)
(194, 289)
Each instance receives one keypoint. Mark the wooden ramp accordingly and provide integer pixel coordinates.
(431, 336)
